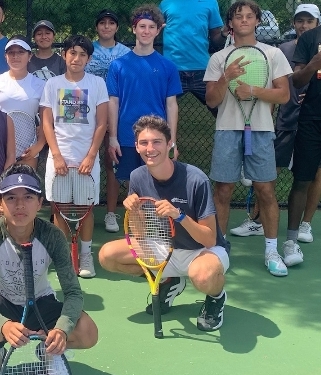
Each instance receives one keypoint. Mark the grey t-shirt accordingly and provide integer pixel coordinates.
(46, 68)
(189, 189)
(288, 114)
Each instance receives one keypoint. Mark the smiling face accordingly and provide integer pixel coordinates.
(20, 207)
(44, 37)
(17, 57)
(153, 147)
(146, 31)
(304, 21)
(107, 28)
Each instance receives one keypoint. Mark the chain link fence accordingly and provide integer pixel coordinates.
(196, 125)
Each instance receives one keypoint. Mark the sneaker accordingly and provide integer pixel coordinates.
(111, 224)
(305, 232)
(244, 181)
(210, 317)
(86, 265)
(292, 253)
(275, 265)
(248, 228)
(168, 290)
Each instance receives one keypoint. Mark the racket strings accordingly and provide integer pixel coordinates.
(151, 235)
(25, 131)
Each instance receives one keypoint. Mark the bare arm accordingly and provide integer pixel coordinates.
(172, 118)
(48, 128)
(278, 94)
(11, 144)
(98, 136)
(303, 73)
(113, 108)
(218, 37)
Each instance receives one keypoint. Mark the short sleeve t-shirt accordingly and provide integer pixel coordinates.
(306, 48)
(47, 68)
(261, 119)
(188, 188)
(185, 35)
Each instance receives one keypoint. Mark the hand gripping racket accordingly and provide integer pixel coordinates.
(149, 238)
(25, 131)
(256, 74)
(73, 196)
(32, 358)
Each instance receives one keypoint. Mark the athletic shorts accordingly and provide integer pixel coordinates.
(228, 155)
(307, 150)
(192, 81)
(284, 145)
(50, 174)
(49, 308)
(181, 259)
(129, 161)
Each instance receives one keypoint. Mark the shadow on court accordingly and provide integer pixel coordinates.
(238, 334)
(82, 369)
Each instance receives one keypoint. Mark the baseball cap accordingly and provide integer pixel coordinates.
(18, 42)
(43, 23)
(106, 13)
(308, 8)
(15, 181)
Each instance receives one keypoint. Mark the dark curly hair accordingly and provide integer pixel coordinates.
(149, 10)
(237, 7)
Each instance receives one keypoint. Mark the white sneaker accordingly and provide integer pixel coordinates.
(305, 232)
(275, 264)
(292, 253)
(248, 228)
(111, 224)
(86, 265)
(244, 181)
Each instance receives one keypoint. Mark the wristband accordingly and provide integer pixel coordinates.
(181, 216)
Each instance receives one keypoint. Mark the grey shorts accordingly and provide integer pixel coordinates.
(181, 259)
(228, 155)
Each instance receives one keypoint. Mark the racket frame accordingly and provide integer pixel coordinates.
(153, 280)
(74, 235)
(247, 118)
(30, 304)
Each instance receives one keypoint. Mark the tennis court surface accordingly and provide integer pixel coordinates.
(272, 325)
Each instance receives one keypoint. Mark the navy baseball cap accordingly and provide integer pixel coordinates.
(106, 13)
(15, 181)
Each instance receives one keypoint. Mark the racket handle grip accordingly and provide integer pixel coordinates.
(157, 317)
(247, 141)
(74, 256)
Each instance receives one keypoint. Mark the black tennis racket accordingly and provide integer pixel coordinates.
(32, 358)
(149, 238)
(25, 131)
(256, 74)
(73, 196)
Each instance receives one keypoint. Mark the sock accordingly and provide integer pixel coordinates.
(86, 247)
(292, 235)
(218, 296)
(224, 236)
(271, 244)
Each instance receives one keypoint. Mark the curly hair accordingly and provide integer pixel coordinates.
(154, 123)
(237, 7)
(148, 11)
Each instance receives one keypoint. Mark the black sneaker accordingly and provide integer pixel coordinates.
(210, 317)
(168, 290)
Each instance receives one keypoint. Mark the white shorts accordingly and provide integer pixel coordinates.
(50, 174)
(181, 259)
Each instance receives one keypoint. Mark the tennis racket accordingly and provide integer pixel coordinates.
(73, 196)
(256, 74)
(25, 131)
(32, 359)
(149, 238)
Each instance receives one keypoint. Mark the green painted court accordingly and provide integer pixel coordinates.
(272, 325)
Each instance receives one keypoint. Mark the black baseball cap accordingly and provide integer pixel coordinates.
(106, 13)
(43, 23)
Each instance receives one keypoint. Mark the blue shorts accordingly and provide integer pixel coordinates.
(228, 155)
(129, 161)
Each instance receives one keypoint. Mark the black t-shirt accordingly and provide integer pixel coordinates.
(306, 48)
(288, 114)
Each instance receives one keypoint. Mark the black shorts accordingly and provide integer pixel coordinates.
(283, 145)
(49, 308)
(307, 150)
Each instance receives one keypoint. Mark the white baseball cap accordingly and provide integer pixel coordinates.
(18, 42)
(308, 8)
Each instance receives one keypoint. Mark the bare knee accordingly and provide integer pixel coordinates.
(223, 191)
(85, 334)
(107, 256)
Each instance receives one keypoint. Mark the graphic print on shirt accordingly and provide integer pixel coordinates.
(72, 106)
